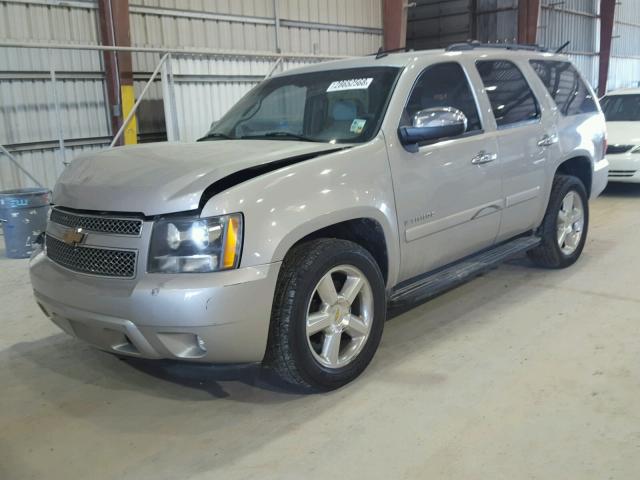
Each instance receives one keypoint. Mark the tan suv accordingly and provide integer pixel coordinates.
(322, 196)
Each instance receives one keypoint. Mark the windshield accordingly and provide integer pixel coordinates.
(621, 108)
(338, 106)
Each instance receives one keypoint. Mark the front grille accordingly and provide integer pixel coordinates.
(101, 224)
(622, 173)
(615, 149)
(92, 260)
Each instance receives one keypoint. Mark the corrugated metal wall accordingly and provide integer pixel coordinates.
(497, 21)
(29, 123)
(205, 86)
(575, 21)
(439, 23)
(624, 70)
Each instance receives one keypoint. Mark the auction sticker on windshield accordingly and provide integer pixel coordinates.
(352, 84)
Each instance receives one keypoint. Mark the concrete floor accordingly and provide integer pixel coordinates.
(523, 373)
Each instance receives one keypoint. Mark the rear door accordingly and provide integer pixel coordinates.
(524, 139)
(448, 192)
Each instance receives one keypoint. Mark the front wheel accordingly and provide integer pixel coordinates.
(328, 314)
(565, 224)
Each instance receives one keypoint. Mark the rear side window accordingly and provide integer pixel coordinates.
(565, 87)
(512, 100)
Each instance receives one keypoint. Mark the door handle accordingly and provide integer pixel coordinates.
(548, 140)
(483, 157)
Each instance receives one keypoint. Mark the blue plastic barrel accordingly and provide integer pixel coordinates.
(23, 215)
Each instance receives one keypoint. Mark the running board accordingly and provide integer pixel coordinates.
(442, 280)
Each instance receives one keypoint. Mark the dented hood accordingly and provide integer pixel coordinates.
(166, 177)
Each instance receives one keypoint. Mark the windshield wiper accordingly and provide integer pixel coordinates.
(285, 135)
(215, 136)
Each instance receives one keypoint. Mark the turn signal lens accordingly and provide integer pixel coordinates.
(231, 244)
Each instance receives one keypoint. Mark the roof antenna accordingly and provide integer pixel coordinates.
(563, 46)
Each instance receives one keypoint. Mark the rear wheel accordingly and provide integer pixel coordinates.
(328, 314)
(565, 224)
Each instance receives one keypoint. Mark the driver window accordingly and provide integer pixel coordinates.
(443, 85)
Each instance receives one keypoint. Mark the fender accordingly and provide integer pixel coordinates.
(283, 206)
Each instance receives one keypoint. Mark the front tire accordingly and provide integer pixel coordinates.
(565, 224)
(328, 314)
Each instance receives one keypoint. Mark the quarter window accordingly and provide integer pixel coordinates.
(443, 85)
(512, 100)
(565, 87)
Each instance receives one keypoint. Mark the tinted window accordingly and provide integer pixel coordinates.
(511, 98)
(565, 87)
(621, 108)
(443, 85)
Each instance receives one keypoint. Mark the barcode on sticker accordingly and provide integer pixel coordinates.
(352, 84)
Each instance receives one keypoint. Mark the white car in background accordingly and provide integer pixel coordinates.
(622, 111)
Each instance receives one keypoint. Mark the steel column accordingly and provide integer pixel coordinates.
(528, 16)
(607, 15)
(168, 93)
(114, 30)
(395, 24)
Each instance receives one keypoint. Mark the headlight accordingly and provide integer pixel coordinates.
(190, 245)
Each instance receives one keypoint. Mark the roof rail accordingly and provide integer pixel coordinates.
(383, 53)
(471, 45)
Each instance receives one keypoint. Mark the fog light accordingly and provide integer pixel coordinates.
(201, 344)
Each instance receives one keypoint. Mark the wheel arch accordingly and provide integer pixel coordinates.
(365, 228)
(581, 167)
(366, 232)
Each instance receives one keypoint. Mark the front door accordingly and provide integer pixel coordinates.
(448, 192)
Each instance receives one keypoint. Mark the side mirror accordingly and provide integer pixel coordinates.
(432, 124)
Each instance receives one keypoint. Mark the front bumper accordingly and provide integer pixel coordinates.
(162, 316)
(625, 167)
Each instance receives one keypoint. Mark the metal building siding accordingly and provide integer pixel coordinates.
(260, 8)
(624, 70)
(28, 119)
(55, 24)
(205, 89)
(44, 164)
(497, 20)
(28, 114)
(436, 24)
(575, 21)
(363, 13)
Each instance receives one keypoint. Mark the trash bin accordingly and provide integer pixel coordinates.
(23, 215)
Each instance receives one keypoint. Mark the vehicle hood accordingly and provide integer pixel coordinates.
(160, 178)
(623, 133)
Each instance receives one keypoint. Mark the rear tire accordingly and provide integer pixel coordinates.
(565, 224)
(320, 340)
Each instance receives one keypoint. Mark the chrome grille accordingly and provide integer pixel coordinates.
(92, 260)
(615, 149)
(96, 223)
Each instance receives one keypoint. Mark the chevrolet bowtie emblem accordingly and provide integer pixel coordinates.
(73, 236)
